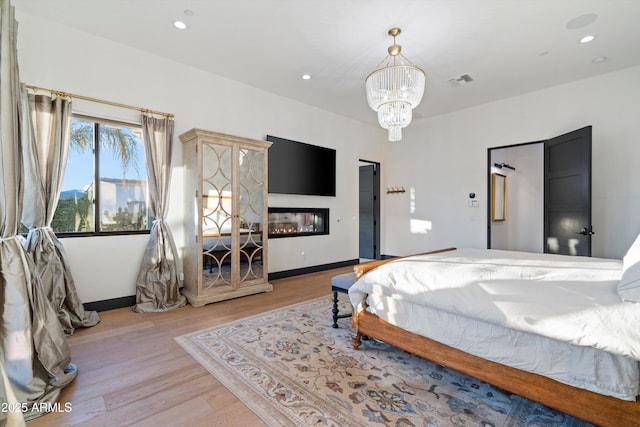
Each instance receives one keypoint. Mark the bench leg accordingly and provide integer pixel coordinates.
(335, 309)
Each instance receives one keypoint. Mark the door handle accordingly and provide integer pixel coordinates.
(586, 231)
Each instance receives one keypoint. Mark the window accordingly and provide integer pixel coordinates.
(105, 184)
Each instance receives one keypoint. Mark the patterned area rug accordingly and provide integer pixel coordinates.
(290, 367)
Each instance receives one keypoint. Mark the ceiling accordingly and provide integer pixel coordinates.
(508, 47)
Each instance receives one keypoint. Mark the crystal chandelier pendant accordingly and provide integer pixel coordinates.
(394, 89)
(394, 116)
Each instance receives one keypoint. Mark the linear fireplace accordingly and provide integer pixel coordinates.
(296, 222)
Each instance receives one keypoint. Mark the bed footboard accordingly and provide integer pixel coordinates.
(586, 405)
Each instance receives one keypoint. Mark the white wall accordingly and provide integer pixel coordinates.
(61, 58)
(444, 158)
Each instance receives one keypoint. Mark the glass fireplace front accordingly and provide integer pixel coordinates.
(296, 222)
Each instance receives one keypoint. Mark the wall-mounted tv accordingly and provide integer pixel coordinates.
(299, 168)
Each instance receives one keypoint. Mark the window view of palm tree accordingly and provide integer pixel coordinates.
(105, 183)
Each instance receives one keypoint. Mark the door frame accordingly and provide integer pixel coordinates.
(376, 206)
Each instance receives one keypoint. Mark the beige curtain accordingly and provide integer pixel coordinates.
(11, 415)
(33, 347)
(157, 287)
(45, 155)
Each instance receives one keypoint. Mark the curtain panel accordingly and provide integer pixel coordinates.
(157, 286)
(45, 157)
(11, 415)
(33, 347)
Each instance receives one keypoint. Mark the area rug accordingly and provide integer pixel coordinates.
(291, 368)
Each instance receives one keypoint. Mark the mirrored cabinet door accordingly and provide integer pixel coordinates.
(217, 215)
(251, 213)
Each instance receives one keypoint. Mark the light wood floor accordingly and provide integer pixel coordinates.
(131, 371)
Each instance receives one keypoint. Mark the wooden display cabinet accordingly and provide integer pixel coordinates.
(225, 253)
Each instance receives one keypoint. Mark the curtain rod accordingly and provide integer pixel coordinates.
(101, 101)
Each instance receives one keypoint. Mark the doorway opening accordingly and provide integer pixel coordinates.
(369, 210)
(547, 195)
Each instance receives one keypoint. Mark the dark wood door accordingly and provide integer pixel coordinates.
(368, 212)
(567, 193)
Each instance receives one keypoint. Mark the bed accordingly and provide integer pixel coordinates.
(559, 330)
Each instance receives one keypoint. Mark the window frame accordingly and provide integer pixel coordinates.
(97, 121)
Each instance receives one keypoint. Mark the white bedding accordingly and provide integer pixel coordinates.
(569, 299)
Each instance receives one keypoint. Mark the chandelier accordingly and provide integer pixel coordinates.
(394, 89)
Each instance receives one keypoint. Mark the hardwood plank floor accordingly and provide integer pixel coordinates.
(131, 371)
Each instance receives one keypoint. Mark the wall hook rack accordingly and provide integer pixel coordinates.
(395, 190)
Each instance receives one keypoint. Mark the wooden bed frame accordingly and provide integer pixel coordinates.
(595, 408)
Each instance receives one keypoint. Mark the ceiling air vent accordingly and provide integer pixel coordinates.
(457, 81)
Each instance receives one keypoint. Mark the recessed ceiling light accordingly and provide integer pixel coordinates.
(306, 77)
(587, 39)
(599, 59)
(188, 12)
(180, 25)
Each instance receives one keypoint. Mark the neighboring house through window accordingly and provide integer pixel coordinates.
(104, 190)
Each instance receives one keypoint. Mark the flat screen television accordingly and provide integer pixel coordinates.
(299, 168)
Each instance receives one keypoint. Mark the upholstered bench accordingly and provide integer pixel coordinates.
(341, 283)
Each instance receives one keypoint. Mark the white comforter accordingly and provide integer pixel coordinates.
(572, 299)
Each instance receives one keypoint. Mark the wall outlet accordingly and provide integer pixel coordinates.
(473, 203)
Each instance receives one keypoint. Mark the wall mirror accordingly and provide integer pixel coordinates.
(498, 196)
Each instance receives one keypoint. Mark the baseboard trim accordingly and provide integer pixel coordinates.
(312, 269)
(130, 301)
(110, 304)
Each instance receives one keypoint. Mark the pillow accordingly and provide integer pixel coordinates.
(629, 286)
